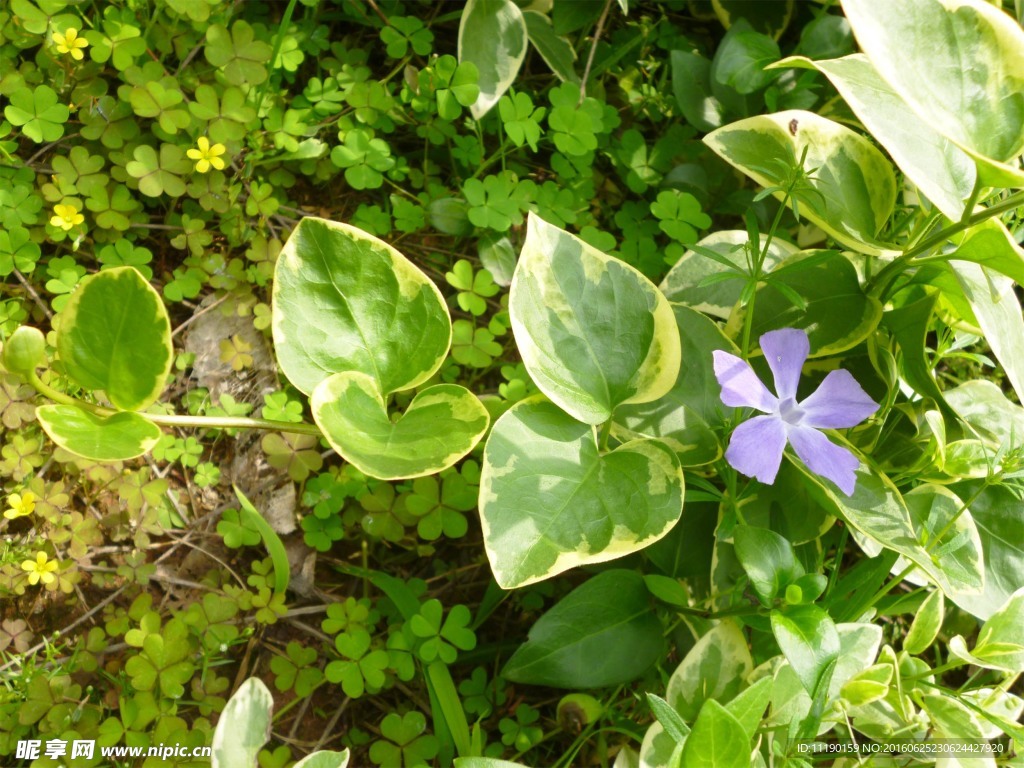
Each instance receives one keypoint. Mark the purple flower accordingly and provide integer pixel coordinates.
(756, 446)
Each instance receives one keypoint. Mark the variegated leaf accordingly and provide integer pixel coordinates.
(441, 425)
(346, 301)
(593, 332)
(959, 64)
(551, 501)
(855, 183)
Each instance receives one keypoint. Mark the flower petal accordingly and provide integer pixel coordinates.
(825, 458)
(756, 446)
(740, 385)
(839, 402)
(785, 351)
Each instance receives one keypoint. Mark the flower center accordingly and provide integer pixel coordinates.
(790, 412)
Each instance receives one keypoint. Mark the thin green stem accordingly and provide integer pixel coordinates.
(176, 420)
(888, 586)
(884, 279)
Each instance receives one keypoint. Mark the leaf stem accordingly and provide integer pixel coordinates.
(881, 283)
(176, 420)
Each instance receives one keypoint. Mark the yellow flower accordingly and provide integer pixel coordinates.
(20, 504)
(40, 569)
(71, 43)
(66, 217)
(206, 156)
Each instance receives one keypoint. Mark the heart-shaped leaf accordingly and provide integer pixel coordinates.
(441, 425)
(115, 335)
(550, 501)
(99, 438)
(855, 184)
(592, 331)
(979, 107)
(346, 301)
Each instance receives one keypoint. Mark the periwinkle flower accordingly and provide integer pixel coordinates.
(756, 446)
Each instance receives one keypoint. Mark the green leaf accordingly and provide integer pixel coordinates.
(38, 113)
(691, 85)
(810, 641)
(346, 301)
(112, 438)
(878, 511)
(742, 57)
(854, 185)
(998, 312)
(556, 51)
(999, 645)
(670, 720)
(593, 332)
(550, 501)
(926, 625)
(492, 36)
(687, 281)
(441, 425)
(251, 517)
(996, 513)
(716, 741)
(603, 633)
(910, 324)
(244, 725)
(942, 171)
(991, 245)
(749, 705)
(768, 559)
(115, 336)
(980, 108)
(837, 314)
(159, 174)
(715, 668)
(238, 55)
(946, 529)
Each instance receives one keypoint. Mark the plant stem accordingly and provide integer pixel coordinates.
(884, 279)
(176, 420)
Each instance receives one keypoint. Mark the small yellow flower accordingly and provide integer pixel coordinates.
(40, 569)
(71, 43)
(20, 504)
(206, 156)
(66, 217)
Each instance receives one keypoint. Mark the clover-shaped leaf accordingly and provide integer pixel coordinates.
(455, 86)
(473, 346)
(235, 530)
(163, 662)
(321, 532)
(473, 289)
(38, 113)
(405, 746)
(360, 669)
(680, 215)
(364, 159)
(17, 251)
(404, 32)
(238, 54)
(159, 101)
(438, 639)
(521, 119)
(492, 201)
(159, 174)
(297, 669)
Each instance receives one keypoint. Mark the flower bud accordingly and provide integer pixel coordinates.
(24, 351)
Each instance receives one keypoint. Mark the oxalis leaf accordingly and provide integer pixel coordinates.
(441, 425)
(550, 501)
(346, 301)
(115, 336)
(593, 332)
